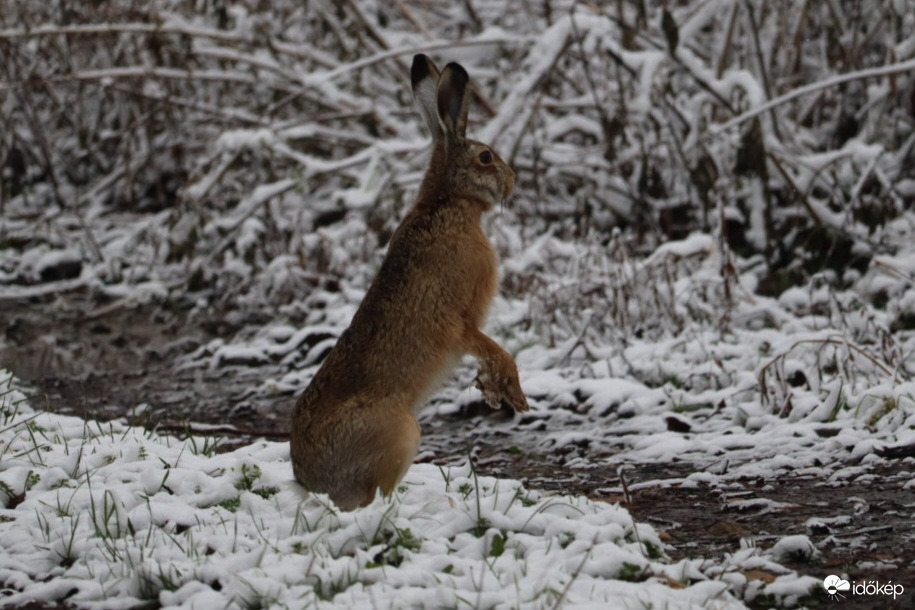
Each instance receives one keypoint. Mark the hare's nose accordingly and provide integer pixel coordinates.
(509, 184)
(509, 176)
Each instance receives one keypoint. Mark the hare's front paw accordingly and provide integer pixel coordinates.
(501, 389)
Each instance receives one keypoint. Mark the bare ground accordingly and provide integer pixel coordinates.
(102, 359)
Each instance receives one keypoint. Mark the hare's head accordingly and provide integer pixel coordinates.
(466, 168)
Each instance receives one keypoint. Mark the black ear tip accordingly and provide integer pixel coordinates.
(458, 73)
(420, 68)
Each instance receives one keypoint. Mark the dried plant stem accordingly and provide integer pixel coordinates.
(761, 63)
(905, 66)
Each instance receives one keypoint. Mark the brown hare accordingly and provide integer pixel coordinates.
(354, 428)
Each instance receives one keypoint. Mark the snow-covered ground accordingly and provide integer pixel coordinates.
(107, 516)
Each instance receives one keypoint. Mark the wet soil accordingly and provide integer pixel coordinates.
(862, 526)
(99, 358)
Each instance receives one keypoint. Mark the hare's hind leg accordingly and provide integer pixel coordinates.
(351, 451)
(380, 449)
(394, 449)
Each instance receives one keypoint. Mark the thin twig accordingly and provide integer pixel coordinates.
(763, 72)
(835, 81)
(95, 29)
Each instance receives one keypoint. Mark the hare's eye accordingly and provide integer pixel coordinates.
(485, 157)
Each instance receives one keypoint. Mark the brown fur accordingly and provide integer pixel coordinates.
(354, 428)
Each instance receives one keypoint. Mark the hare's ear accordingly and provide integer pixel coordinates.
(424, 78)
(453, 100)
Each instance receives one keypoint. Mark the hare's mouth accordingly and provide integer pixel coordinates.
(508, 201)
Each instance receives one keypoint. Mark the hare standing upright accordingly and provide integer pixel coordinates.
(354, 427)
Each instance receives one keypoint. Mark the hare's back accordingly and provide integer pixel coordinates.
(429, 288)
(435, 271)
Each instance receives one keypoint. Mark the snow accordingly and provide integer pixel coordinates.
(108, 516)
(35, 263)
(760, 107)
(796, 548)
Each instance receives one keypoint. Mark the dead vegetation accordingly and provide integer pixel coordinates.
(221, 138)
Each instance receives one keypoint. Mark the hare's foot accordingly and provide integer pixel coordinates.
(498, 376)
(500, 386)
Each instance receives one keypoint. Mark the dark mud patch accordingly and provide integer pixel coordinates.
(94, 358)
(862, 525)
